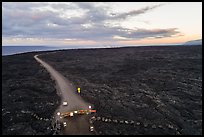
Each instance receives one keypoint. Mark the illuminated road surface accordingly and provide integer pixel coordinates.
(77, 125)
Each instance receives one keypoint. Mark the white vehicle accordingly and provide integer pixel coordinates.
(91, 128)
(65, 103)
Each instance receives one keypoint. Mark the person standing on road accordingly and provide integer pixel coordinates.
(78, 90)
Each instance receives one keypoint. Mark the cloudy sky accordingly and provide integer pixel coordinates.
(108, 23)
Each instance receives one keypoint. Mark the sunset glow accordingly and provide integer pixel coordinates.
(100, 24)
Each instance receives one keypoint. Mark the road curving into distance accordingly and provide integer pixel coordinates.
(76, 125)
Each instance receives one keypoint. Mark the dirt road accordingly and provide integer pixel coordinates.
(77, 125)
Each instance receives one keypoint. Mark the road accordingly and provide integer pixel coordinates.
(76, 125)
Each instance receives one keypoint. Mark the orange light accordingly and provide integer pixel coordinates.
(70, 114)
(93, 111)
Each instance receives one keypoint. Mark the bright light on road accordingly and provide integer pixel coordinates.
(71, 114)
(89, 107)
(91, 128)
(75, 111)
(58, 113)
(65, 124)
(64, 103)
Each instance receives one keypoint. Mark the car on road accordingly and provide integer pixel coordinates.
(64, 103)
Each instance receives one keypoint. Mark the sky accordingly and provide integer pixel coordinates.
(100, 23)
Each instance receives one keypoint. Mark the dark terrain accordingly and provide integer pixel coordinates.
(26, 89)
(158, 87)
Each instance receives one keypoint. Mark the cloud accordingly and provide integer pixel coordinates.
(42, 20)
(101, 13)
(134, 12)
(155, 33)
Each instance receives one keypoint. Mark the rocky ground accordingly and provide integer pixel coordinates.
(158, 87)
(29, 97)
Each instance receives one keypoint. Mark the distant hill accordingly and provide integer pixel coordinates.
(194, 42)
